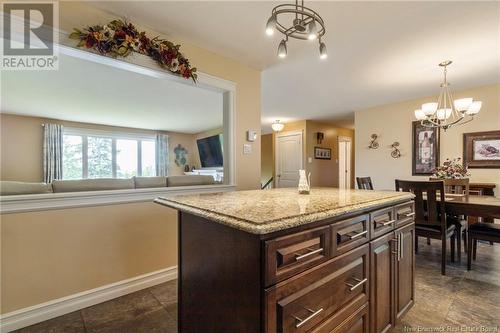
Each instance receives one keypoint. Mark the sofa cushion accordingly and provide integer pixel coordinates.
(100, 184)
(16, 188)
(148, 182)
(190, 180)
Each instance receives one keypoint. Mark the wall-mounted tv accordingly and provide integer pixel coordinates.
(210, 150)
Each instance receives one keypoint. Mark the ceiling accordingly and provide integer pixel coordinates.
(378, 52)
(90, 92)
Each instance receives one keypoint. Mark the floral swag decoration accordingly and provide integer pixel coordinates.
(119, 38)
(451, 169)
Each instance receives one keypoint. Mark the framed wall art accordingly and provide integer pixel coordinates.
(425, 149)
(322, 153)
(482, 149)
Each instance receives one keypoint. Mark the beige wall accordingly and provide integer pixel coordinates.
(393, 123)
(52, 254)
(46, 255)
(25, 134)
(323, 172)
(267, 158)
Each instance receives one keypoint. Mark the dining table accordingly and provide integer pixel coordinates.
(472, 205)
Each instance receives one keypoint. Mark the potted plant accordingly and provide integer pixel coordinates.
(451, 169)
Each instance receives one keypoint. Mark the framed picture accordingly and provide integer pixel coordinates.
(425, 150)
(482, 149)
(322, 153)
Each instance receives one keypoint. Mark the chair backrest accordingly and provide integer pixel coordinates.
(427, 194)
(455, 186)
(364, 183)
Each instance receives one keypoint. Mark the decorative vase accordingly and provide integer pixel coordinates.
(304, 187)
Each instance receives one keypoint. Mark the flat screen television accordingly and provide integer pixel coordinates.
(210, 150)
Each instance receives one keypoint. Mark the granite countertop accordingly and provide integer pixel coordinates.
(266, 211)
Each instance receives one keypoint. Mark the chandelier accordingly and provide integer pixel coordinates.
(447, 112)
(277, 126)
(299, 22)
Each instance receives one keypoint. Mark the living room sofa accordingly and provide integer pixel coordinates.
(101, 184)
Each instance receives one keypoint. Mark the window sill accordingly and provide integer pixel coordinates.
(39, 202)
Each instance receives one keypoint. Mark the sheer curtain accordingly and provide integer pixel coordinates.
(161, 155)
(52, 152)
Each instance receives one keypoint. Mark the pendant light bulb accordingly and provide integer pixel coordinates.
(271, 25)
(282, 49)
(322, 51)
(313, 32)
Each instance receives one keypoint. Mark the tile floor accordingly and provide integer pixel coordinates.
(443, 303)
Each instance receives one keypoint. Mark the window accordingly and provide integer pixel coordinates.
(72, 157)
(97, 154)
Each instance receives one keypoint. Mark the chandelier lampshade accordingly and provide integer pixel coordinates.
(447, 112)
(271, 25)
(296, 21)
(322, 51)
(282, 49)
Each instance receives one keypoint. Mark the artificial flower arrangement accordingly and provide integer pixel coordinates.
(451, 169)
(119, 38)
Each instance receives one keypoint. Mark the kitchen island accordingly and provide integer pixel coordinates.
(277, 261)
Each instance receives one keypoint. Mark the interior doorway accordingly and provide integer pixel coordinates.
(345, 149)
(288, 158)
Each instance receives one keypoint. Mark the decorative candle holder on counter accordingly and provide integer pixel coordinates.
(304, 183)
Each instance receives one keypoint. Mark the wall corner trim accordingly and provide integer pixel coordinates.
(37, 313)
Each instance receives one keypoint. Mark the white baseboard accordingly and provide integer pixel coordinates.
(41, 312)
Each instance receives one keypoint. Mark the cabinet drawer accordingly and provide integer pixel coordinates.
(356, 322)
(292, 254)
(349, 234)
(382, 221)
(404, 213)
(304, 301)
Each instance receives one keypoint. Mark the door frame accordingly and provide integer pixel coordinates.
(276, 150)
(346, 139)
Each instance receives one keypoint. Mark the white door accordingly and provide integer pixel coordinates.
(345, 162)
(288, 159)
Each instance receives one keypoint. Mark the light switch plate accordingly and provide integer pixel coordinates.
(309, 160)
(251, 135)
(247, 149)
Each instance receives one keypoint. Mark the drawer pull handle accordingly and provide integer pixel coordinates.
(302, 256)
(357, 285)
(384, 223)
(305, 320)
(359, 234)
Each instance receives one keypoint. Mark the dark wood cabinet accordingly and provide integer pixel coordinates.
(382, 263)
(405, 270)
(348, 274)
(392, 277)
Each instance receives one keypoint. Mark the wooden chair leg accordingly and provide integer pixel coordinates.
(428, 241)
(469, 252)
(443, 255)
(474, 249)
(464, 236)
(452, 248)
(459, 244)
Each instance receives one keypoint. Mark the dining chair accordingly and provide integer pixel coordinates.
(364, 183)
(481, 231)
(459, 187)
(430, 218)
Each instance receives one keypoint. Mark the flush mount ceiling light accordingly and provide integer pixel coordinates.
(277, 126)
(447, 112)
(299, 22)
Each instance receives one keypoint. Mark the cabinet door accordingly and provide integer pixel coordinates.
(405, 269)
(382, 264)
